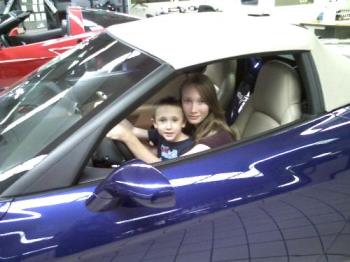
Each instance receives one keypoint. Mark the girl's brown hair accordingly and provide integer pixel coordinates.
(215, 121)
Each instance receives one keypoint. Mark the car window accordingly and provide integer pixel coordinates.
(221, 73)
(63, 94)
(269, 97)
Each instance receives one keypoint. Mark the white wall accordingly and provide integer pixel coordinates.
(295, 14)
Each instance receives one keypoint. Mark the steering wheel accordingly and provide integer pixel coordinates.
(10, 21)
(123, 148)
(111, 152)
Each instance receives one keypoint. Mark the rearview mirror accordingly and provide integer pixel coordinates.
(135, 181)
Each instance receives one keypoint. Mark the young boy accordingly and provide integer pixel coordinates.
(168, 122)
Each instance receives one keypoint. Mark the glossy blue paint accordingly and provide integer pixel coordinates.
(59, 225)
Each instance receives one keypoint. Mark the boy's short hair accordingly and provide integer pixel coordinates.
(167, 101)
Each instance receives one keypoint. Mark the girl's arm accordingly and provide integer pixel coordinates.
(140, 133)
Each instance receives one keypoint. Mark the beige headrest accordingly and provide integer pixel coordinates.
(277, 89)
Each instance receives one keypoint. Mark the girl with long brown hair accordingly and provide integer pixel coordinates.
(204, 114)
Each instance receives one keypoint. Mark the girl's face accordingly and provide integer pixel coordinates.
(193, 106)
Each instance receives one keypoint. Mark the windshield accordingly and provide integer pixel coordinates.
(63, 93)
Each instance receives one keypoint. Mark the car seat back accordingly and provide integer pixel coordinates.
(276, 100)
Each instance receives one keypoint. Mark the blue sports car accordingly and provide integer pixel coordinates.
(278, 193)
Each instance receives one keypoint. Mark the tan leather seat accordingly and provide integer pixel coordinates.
(223, 76)
(276, 100)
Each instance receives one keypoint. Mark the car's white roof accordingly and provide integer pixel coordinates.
(187, 39)
(183, 40)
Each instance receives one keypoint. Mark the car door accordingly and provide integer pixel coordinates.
(62, 224)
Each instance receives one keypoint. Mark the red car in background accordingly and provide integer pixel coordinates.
(22, 53)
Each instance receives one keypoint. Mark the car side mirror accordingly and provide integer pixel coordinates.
(135, 181)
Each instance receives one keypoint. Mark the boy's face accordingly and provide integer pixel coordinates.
(169, 121)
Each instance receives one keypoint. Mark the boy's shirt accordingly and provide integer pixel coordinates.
(169, 150)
